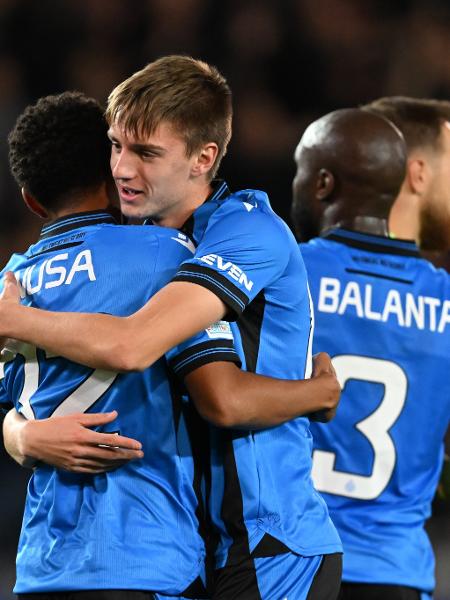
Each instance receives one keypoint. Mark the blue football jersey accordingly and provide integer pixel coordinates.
(136, 527)
(262, 494)
(383, 314)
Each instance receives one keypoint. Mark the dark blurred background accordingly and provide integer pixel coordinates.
(288, 62)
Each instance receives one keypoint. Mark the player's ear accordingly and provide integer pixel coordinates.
(325, 183)
(33, 204)
(205, 159)
(417, 175)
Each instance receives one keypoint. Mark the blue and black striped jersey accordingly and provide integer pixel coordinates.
(137, 527)
(383, 313)
(262, 494)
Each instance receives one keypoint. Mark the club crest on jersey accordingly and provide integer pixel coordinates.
(220, 329)
(230, 268)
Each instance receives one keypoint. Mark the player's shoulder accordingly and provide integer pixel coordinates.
(318, 248)
(134, 234)
(131, 243)
(432, 274)
(250, 209)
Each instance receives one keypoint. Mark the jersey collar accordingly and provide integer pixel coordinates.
(196, 224)
(75, 221)
(373, 243)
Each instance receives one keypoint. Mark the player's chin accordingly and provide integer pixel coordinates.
(132, 211)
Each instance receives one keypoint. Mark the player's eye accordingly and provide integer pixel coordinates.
(147, 154)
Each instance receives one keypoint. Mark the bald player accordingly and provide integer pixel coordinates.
(383, 313)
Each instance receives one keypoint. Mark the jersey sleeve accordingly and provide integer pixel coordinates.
(243, 250)
(214, 344)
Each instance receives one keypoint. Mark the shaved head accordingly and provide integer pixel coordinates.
(350, 163)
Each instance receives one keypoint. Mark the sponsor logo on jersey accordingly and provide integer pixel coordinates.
(220, 329)
(56, 271)
(408, 310)
(235, 272)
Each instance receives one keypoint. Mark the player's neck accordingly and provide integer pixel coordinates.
(373, 225)
(404, 221)
(364, 224)
(83, 202)
(181, 213)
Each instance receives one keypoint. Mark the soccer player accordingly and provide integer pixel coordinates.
(422, 209)
(116, 535)
(169, 126)
(383, 313)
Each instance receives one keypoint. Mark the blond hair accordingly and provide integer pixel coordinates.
(187, 93)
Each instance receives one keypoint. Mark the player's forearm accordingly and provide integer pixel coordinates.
(90, 339)
(229, 397)
(174, 314)
(266, 402)
(13, 438)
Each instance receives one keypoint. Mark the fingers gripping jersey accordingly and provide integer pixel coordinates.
(383, 314)
(261, 486)
(136, 527)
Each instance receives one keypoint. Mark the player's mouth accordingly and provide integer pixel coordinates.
(127, 193)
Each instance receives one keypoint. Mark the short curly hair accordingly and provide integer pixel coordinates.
(59, 148)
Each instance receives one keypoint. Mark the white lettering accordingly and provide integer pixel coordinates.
(208, 259)
(329, 294)
(423, 312)
(79, 266)
(393, 306)
(370, 314)
(37, 287)
(433, 303)
(351, 297)
(233, 270)
(51, 275)
(445, 316)
(51, 270)
(414, 310)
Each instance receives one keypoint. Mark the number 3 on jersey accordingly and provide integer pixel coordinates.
(375, 428)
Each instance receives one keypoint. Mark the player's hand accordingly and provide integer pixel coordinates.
(323, 369)
(11, 289)
(68, 443)
(10, 293)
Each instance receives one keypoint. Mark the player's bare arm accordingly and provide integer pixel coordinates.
(246, 400)
(68, 442)
(174, 314)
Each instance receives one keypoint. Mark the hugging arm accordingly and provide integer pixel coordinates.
(68, 442)
(108, 342)
(229, 397)
(223, 394)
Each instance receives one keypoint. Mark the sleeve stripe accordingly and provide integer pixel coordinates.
(188, 276)
(211, 345)
(205, 353)
(207, 359)
(217, 283)
(202, 354)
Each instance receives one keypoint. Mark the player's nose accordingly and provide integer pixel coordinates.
(123, 165)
